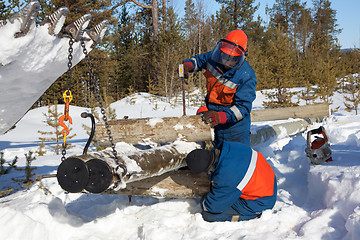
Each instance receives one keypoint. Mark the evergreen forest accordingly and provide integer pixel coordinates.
(147, 40)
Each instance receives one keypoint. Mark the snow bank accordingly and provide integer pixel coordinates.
(314, 202)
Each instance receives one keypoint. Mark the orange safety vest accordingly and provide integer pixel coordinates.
(258, 180)
(220, 90)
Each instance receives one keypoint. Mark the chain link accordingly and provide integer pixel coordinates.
(68, 82)
(63, 152)
(95, 85)
(70, 57)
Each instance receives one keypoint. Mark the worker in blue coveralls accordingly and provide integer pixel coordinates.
(243, 184)
(231, 85)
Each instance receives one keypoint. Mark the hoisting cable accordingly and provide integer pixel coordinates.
(93, 82)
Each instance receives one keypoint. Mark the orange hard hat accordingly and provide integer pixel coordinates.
(238, 37)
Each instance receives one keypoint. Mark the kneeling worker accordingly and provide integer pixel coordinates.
(243, 184)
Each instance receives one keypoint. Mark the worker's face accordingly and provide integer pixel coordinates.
(228, 54)
(229, 62)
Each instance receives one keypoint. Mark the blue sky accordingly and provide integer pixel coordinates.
(347, 14)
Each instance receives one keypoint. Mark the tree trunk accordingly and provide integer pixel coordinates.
(155, 19)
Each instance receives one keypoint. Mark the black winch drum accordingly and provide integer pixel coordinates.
(73, 175)
(100, 176)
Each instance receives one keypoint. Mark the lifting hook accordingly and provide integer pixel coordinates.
(66, 130)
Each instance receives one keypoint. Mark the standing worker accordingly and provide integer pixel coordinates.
(243, 184)
(230, 84)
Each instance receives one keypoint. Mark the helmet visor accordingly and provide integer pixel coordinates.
(228, 54)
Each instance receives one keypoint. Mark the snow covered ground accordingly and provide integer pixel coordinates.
(314, 202)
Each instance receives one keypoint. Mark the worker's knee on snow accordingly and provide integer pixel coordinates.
(223, 217)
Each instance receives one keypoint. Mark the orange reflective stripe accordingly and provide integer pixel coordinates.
(218, 93)
(261, 183)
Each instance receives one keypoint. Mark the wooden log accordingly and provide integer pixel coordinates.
(141, 164)
(191, 128)
(267, 133)
(179, 184)
(158, 130)
(307, 111)
(97, 172)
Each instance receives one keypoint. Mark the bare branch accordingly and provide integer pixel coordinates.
(123, 2)
(141, 5)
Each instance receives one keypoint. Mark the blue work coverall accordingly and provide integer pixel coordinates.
(232, 92)
(243, 185)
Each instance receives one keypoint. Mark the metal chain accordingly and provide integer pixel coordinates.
(94, 84)
(68, 82)
(70, 57)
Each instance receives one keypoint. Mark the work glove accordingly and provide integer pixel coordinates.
(201, 110)
(214, 118)
(188, 66)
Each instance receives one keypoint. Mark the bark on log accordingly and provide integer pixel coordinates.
(145, 163)
(158, 130)
(179, 184)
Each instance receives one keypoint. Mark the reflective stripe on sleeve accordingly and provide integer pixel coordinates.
(196, 65)
(249, 172)
(237, 113)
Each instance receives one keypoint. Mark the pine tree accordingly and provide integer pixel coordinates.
(28, 169)
(325, 26)
(123, 53)
(12, 165)
(171, 43)
(352, 90)
(239, 14)
(303, 24)
(281, 67)
(41, 145)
